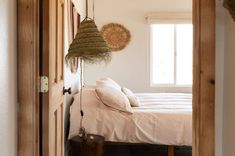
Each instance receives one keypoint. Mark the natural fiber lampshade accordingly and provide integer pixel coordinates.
(89, 44)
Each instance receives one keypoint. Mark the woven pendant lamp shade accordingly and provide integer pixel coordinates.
(89, 44)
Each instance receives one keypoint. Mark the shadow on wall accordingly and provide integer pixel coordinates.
(8, 78)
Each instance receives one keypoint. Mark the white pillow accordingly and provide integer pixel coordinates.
(131, 97)
(114, 98)
(108, 82)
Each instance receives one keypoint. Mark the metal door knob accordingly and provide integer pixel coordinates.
(67, 90)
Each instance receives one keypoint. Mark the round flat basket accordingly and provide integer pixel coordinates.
(116, 36)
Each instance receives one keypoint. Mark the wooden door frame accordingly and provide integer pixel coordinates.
(27, 77)
(203, 77)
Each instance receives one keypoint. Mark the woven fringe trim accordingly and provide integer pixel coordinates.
(91, 59)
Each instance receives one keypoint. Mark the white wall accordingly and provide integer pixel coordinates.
(130, 67)
(219, 77)
(8, 97)
(229, 88)
(225, 82)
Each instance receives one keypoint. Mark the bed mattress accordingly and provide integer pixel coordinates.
(162, 118)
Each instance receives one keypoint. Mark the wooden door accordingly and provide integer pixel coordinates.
(53, 67)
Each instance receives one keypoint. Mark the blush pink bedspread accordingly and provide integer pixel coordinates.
(162, 118)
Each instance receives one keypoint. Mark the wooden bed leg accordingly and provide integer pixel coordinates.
(171, 150)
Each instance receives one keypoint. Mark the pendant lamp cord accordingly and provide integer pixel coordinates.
(93, 9)
(86, 9)
(82, 132)
(82, 129)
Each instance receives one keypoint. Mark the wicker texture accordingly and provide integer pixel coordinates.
(116, 36)
(89, 44)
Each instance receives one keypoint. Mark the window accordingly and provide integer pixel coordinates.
(171, 55)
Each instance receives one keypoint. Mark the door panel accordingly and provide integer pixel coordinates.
(60, 40)
(53, 64)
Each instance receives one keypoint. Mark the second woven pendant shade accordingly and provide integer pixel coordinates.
(89, 44)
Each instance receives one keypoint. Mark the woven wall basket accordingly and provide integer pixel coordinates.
(116, 36)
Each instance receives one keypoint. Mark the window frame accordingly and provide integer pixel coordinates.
(167, 87)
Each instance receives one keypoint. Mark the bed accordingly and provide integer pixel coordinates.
(160, 119)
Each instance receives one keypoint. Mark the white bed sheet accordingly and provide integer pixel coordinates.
(162, 118)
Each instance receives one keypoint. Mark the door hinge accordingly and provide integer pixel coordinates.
(43, 84)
